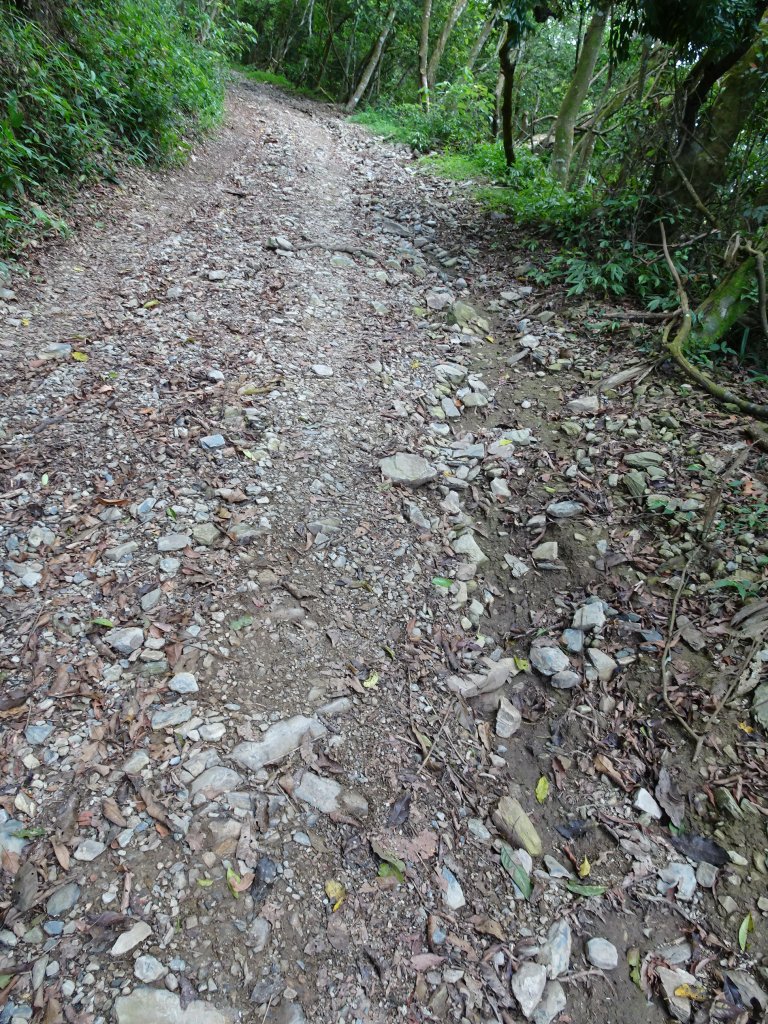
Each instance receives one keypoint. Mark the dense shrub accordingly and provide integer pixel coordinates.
(95, 82)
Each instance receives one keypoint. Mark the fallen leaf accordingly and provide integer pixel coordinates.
(519, 875)
(584, 868)
(747, 925)
(336, 893)
(699, 848)
(426, 961)
(698, 993)
(80, 357)
(542, 789)
(392, 866)
(487, 926)
(111, 812)
(372, 682)
(400, 811)
(241, 623)
(585, 890)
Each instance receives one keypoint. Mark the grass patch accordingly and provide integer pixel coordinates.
(280, 81)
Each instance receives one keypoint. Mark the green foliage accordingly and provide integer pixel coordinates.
(108, 80)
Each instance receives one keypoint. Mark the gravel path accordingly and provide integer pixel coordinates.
(284, 661)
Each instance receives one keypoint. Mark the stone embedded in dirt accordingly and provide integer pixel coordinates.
(589, 616)
(680, 877)
(517, 566)
(567, 680)
(706, 875)
(528, 984)
(136, 762)
(89, 849)
(586, 404)
(760, 705)
(556, 951)
(646, 804)
(215, 781)
(151, 599)
(121, 551)
(279, 740)
(63, 899)
(258, 934)
(279, 242)
(546, 552)
(500, 489)
(512, 821)
(328, 796)
(565, 509)
(549, 660)
(453, 894)
(642, 460)
(604, 665)
(173, 542)
(671, 980)
(408, 470)
(552, 1004)
(176, 715)
(451, 372)
(342, 262)
(155, 1005)
(439, 299)
(322, 370)
(508, 719)
(288, 1011)
(467, 545)
(603, 954)
(417, 517)
(183, 682)
(37, 734)
(217, 275)
(212, 441)
(129, 940)
(462, 313)
(149, 969)
(206, 534)
(449, 407)
(125, 640)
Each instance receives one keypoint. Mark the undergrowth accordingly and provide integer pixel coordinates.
(272, 78)
(97, 83)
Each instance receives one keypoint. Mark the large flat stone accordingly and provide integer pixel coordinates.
(408, 470)
(156, 1006)
(280, 740)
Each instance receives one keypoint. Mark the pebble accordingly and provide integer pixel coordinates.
(148, 969)
(556, 953)
(183, 682)
(552, 1004)
(174, 542)
(706, 875)
(126, 640)
(565, 680)
(408, 470)
(136, 763)
(603, 954)
(212, 441)
(671, 980)
(565, 509)
(528, 984)
(508, 719)
(322, 370)
(129, 940)
(35, 735)
(549, 660)
(589, 617)
(453, 894)
(679, 875)
(176, 715)
(63, 899)
(546, 552)
(467, 545)
(646, 804)
(604, 665)
(89, 849)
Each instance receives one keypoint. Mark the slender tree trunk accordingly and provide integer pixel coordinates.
(373, 63)
(332, 30)
(508, 60)
(479, 44)
(562, 150)
(442, 41)
(426, 17)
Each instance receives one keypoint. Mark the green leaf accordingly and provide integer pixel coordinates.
(233, 879)
(241, 623)
(392, 866)
(580, 889)
(542, 789)
(442, 581)
(205, 883)
(747, 925)
(106, 623)
(519, 875)
(35, 832)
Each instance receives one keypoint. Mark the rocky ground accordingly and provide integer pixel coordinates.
(384, 639)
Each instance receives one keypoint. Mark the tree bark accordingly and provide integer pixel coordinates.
(373, 62)
(479, 44)
(426, 17)
(508, 60)
(442, 41)
(562, 150)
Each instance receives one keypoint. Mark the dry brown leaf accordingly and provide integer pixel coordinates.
(62, 854)
(112, 813)
(487, 926)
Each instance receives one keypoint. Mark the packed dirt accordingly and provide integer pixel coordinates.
(385, 637)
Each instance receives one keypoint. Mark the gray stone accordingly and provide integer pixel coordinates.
(342, 262)
(565, 680)
(671, 980)
(279, 740)
(565, 509)
(129, 940)
(136, 762)
(474, 400)
(89, 850)
(453, 894)
(408, 470)
(206, 534)
(149, 969)
(126, 640)
(121, 552)
(451, 372)
(706, 875)
(158, 1006)
(176, 715)
(555, 868)
(574, 640)
(35, 735)
(645, 803)
(215, 781)
(679, 876)
(58, 350)
(467, 545)
(449, 407)
(603, 954)
(462, 313)
(151, 600)
(552, 1004)
(63, 899)
(549, 660)
(642, 460)
(212, 441)
(258, 935)
(183, 682)
(508, 719)
(546, 552)
(556, 952)
(586, 404)
(589, 616)
(322, 370)
(500, 489)
(174, 542)
(10, 841)
(217, 275)
(760, 704)
(528, 984)
(517, 566)
(328, 796)
(604, 665)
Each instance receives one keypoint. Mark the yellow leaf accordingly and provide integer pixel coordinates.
(584, 868)
(415, 364)
(489, 338)
(151, 304)
(542, 789)
(80, 357)
(25, 322)
(336, 893)
(372, 682)
(522, 664)
(748, 729)
(249, 455)
(696, 992)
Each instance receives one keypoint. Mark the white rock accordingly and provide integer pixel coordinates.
(453, 894)
(322, 370)
(89, 850)
(680, 877)
(645, 803)
(548, 660)
(408, 470)
(183, 682)
(279, 740)
(126, 640)
(157, 1006)
(149, 969)
(467, 545)
(552, 1003)
(546, 552)
(589, 616)
(603, 954)
(528, 983)
(604, 664)
(508, 719)
(131, 939)
(215, 781)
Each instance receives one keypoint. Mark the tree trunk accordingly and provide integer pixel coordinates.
(704, 159)
(373, 63)
(479, 44)
(562, 150)
(442, 41)
(426, 16)
(508, 60)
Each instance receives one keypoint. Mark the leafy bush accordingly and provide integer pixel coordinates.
(109, 80)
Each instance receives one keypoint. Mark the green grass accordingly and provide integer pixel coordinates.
(381, 123)
(271, 78)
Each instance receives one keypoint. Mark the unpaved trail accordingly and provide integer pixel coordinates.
(251, 722)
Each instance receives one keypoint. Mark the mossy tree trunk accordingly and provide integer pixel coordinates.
(373, 62)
